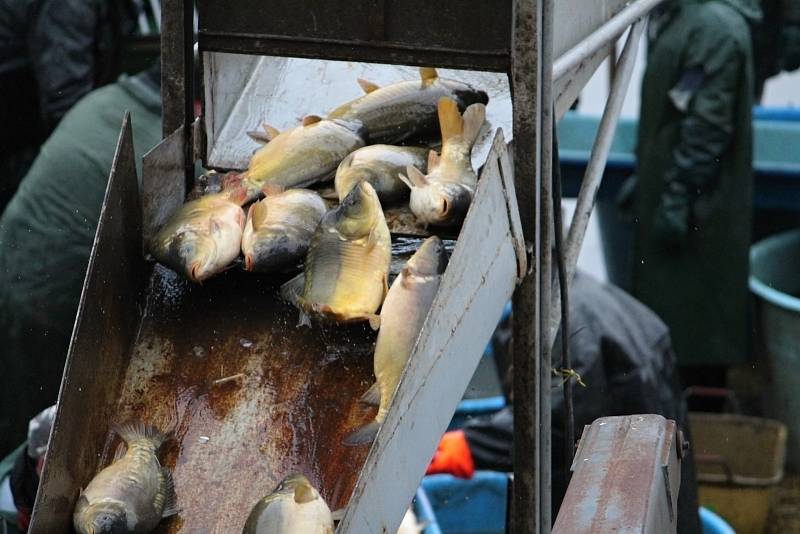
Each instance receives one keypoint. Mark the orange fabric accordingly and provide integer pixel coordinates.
(453, 456)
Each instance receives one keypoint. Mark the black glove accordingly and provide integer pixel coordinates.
(671, 222)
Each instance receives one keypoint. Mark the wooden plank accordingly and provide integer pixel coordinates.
(106, 325)
(480, 278)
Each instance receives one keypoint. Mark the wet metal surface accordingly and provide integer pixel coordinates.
(248, 396)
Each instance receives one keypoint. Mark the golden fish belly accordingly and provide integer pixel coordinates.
(402, 317)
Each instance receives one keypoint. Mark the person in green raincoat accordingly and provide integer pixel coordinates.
(692, 202)
(46, 236)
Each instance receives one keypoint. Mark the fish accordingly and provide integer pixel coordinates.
(405, 109)
(401, 319)
(301, 156)
(279, 229)
(132, 494)
(380, 166)
(442, 197)
(204, 236)
(294, 507)
(347, 266)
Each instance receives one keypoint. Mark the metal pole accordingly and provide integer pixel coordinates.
(603, 36)
(525, 86)
(545, 252)
(597, 161)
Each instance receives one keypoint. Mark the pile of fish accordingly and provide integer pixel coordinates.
(345, 251)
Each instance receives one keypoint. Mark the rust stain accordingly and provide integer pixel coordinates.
(289, 411)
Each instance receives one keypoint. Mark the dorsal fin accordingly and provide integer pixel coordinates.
(258, 213)
(450, 121)
(303, 493)
(367, 85)
(433, 160)
(413, 177)
(428, 75)
(265, 135)
(311, 119)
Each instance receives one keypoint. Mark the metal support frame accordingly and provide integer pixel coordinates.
(531, 71)
(596, 165)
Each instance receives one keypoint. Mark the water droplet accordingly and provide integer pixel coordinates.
(203, 440)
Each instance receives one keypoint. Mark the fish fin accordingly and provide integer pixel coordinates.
(450, 121)
(258, 136)
(136, 431)
(303, 493)
(271, 190)
(271, 131)
(403, 178)
(258, 213)
(170, 498)
(473, 121)
(330, 195)
(415, 177)
(374, 321)
(303, 319)
(372, 239)
(433, 160)
(290, 291)
(338, 515)
(367, 85)
(311, 119)
(365, 434)
(213, 225)
(371, 397)
(428, 75)
(407, 274)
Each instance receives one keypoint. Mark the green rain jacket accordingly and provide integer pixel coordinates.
(693, 199)
(46, 236)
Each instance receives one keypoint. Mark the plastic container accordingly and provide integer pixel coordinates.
(775, 281)
(739, 462)
(711, 523)
(474, 506)
(425, 514)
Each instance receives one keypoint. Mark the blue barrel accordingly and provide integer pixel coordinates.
(775, 282)
(711, 523)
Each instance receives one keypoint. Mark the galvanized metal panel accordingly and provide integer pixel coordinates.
(480, 278)
(626, 476)
(163, 182)
(108, 316)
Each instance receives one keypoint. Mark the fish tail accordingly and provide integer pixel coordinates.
(135, 431)
(170, 507)
(372, 396)
(365, 434)
(450, 121)
(473, 121)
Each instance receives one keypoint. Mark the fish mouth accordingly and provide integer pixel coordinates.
(194, 274)
(249, 264)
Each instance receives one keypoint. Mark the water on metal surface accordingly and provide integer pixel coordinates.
(247, 396)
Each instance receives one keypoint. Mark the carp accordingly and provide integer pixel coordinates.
(301, 156)
(401, 319)
(379, 165)
(279, 228)
(406, 109)
(347, 265)
(442, 197)
(132, 494)
(204, 236)
(294, 507)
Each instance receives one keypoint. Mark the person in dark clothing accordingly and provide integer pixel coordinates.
(46, 236)
(692, 201)
(624, 355)
(52, 52)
